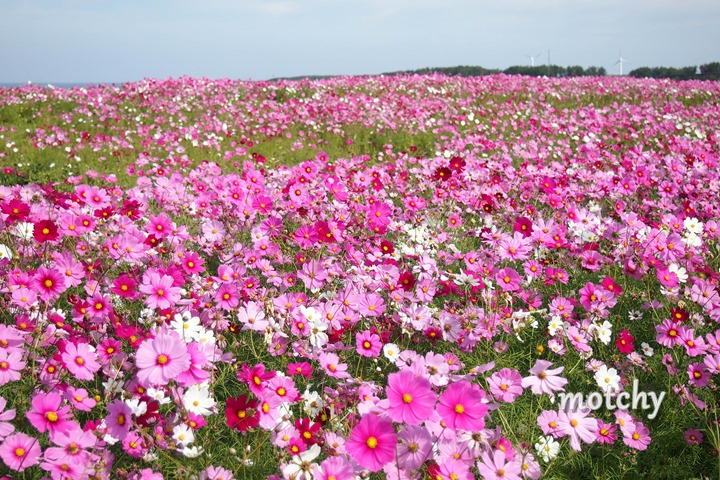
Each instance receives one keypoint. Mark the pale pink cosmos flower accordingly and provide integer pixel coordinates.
(6, 428)
(494, 466)
(578, 426)
(161, 359)
(548, 423)
(506, 385)
(330, 363)
(11, 363)
(544, 379)
(160, 290)
(80, 360)
(79, 399)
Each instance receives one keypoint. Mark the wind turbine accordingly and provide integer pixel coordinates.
(620, 61)
(532, 58)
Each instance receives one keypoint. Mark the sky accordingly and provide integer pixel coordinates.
(113, 41)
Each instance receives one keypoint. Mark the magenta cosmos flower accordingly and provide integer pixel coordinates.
(412, 401)
(46, 414)
(368, 344)
(508, 279)
(461, 407)
(543, 379)
(20, 451)
(372, 442)
(161, 359)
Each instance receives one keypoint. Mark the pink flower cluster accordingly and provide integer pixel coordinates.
(350, 298)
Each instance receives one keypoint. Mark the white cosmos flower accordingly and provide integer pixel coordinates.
(183, 435)
(198, 400)
(547, 448)
(391, 351)
(693, 225)
(679, 271)
(24, 230)
(300, 467)
(604, 332)
(607, 379)
(192, 452)
(313, 402)
(5, 252)
(137, 406)
(555, 324)
(318, 337)
(188, 327)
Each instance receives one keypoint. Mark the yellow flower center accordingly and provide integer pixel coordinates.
(407, 398)
(459, 408)
(162, 359)
(372, 442)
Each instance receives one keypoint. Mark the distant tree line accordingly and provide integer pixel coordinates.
(708, 71)
(533, 71)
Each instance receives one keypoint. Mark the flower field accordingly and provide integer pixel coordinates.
(384, 277)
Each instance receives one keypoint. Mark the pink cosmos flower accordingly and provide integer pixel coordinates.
(11, 363)
(161, 359)
(227, 296)
(80, 360)
(699, 377)
(372, 442)
(160, 290)
(605, 433)
(414, 446)
(411, 399)
(638, 437)
(79, 399)
(506, 385)
(47, 415)
(508, 279)
(668, 333)
(368, 344)
(329, 363)
(49, 283)
(20, 451)
(461, 407)
(454, 469)
(72, 445)
(693, 346)
(333, 468)
(578, 426)
(625, 421)
(548, 423)
(543, 379)
(6, 428)
(693, 436)
(119, 419)
(371, 305)
(494, 466)
(24, 298)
